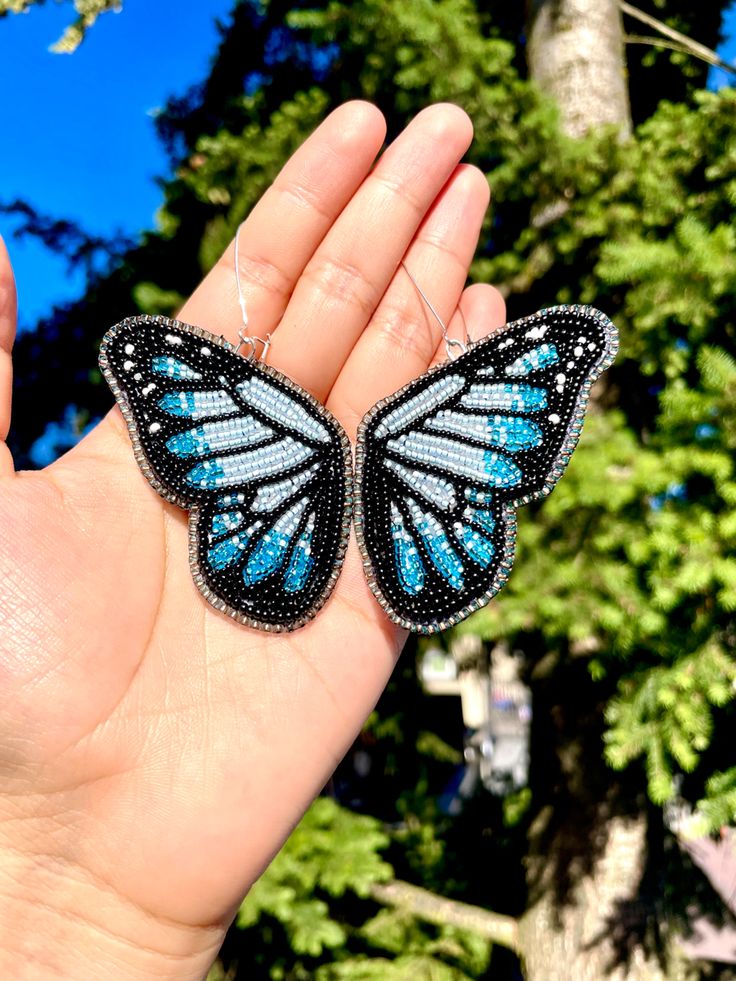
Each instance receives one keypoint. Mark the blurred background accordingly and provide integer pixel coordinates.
(548, 791)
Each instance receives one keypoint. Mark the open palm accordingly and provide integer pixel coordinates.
(154, 754)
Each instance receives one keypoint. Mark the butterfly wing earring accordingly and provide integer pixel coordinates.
(442, 465)
(262, 467)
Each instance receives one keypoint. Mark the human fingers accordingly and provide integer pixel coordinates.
(286, 226)
(346, 278)
(403, 334)
(8, 314)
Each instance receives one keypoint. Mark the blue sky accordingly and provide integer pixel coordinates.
(103, 176)
(718, 77)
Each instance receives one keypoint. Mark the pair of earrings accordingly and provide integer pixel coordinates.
(267, 476)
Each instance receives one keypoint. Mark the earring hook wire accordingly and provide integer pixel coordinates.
(245, 338)
(450, 342)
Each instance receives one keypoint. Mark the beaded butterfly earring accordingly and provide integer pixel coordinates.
(442, 465)
(262, 467)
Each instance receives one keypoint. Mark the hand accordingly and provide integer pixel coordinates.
(153, 753)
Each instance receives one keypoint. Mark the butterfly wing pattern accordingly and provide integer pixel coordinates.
(263, 469)
(442, 465)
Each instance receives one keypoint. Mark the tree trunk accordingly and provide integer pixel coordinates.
(575, 52)
(585, 938)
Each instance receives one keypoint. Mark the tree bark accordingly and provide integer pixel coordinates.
(586, 938)
(575, 52)
(583, 940)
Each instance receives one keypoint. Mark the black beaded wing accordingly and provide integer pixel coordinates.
(263, 469)
(442, 465)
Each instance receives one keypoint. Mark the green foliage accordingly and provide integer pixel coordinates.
(333, 853)
(666, 714)
(414, 946)
(718, 808)
(149, 298)
(430, 744)
(516, 805)
(403, 968)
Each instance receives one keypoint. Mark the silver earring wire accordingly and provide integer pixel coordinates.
(450, 342)
(246, 338)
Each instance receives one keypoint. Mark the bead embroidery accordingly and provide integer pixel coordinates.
(432, 488)
(281, 408)
(301, 561)
(270, 496)
(440, 467)
(173, 368)
(249, 467)
(433, 396)
(508, 432)
(476, 545)
(459, 459)
(265, 473)
(270, 553)
(470, 448)
(443, 555)
(538, 357)
(406, 557)
(196, 405)
(213, 436)
(505, 396)
(224, 553)
(227, 521)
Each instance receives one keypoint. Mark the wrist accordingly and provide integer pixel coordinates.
(58, 922)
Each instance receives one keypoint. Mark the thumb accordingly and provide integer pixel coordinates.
(8, 316)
